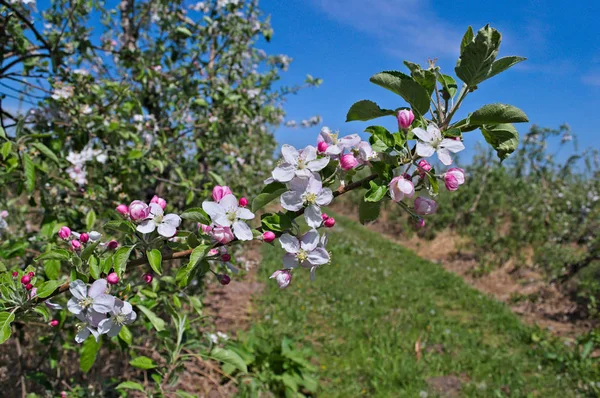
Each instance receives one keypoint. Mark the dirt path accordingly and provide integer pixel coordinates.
(525, 291)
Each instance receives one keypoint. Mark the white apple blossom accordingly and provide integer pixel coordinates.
(93, 298)
(309, 193)
(121, 314)
(304, 252)
(336, 145)
(228, 213)
(165, 224)
(431, 140)
(88, 325)
(298, 163)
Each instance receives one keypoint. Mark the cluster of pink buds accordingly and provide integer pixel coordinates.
(80, 239)
(26, 280)
(328, 222)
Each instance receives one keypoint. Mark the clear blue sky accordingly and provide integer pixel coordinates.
(346, 41)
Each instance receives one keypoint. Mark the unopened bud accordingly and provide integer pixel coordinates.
(243, 202)
(329, 223)
(269, 236)
(112, 278)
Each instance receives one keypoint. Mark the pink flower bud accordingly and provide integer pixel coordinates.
(112, 245)
(222, 235)
(224, 279)
(283, 277)
(15, 274)
(425, 206)
(122, 209)
(112, 278)
(138, 210)
(405, 118)
(348, 161)
(205, 228)
(225, 257)
(322, 146)
(31, 274)
(324, 216)
(54, 323)
(28, 286)
(420, 223)
(147, 278)
(159, 201)
(213, 252)
(84, 238)
(75, 244)
(423, 166)
(219, 192)
(3, 213)
(25, 279)
(329, 223)
(269, 236)
(243, 202)
(401, 187)
(64, 233)
(453, 178)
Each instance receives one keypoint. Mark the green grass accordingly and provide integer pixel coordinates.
(365, 311)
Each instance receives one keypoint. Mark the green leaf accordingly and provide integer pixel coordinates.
(376, 192)
(497, 113)
(467, 39)
(157, 322)
(55, 254)
(5, 150)
(216, 178)
(2, 133)
(47, 288)
(6, 318)
(368, 211)
(502, 64)
(29, 172)
(426, 78)
(142, 362)
(52, 269)
(89, 352)
(367, 110)
(90, 220)
(404, 86)
(383, 135)
(184, 273)
(184, 31)
(269, 192)
(475, 61)
(155, 260)
(125, 335)
(135, 154)
(89, 250)
(504, 138)
(46, 151)
(434, 186)
(229, 357)
(120, 225)
(120, 259)
(196, 214)
(95, 270)
(449, 85)
(130, 385)
(276, 222)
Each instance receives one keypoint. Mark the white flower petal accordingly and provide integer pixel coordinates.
(242, 231)
(303, 173)
(291, 200)
(74, 307)
(314, 185)
(98, 288)
(290, 260)
(406, 187)
(312, 215)
(222, 220)
(229, 202)
(333, 150)
(318, 164)
(103, 303)
(284, 172)
(452, 145)
(244, 214)
(172, 219)
(309, 240)
(349, 141)
(309, 153)
(166, 230)
(156, 210)
(424, 149)
(290, 154)
(78, 289)
(319, 256)
(289, 243)
(105, 325)
(424, 135)
(82, 335)
(313, 273)
(146, 226)
(299, 184)
(444, 156)
(213, 209)
(114, 330)
(324, 197)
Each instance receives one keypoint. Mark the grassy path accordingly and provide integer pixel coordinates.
(367, 310)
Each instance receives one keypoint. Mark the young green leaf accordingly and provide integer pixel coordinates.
(366, 110)
(46, 151)
(497, 113)
(404, 86)
(155, 260)
(229, 357)
(368, 211)
(504, 138)
(475, 61)
(47, 288)
(503, 64)
(29, 172)
(89, 352)
(6, 318)
(142, 362)
(158, 323)
(196, 214)
(376, 192)
(269, 193)
(120, 259)
(130, 385)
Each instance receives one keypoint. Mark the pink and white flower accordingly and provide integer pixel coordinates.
(283, 277)
(166, 225)
(223, 235)
(304, 252)
(219, 192)
(425, 206)
(121, 314)
(401, 187)
(298, 163)
(431, 140)
(159, 201)
(336, 145)
(454, 178)
(138, 210)
(309, 193)
(228, 213)
(93, 298)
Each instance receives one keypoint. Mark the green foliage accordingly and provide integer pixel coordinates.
(367, 110)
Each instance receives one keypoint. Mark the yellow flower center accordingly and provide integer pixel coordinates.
(310, 198)
(302, 255)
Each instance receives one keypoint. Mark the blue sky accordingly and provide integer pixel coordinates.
(346, 41)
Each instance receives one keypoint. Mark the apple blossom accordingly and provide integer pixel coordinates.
(88, 325)
(121, 314)
(269, 236)
(243, 202)
(122, 209)
(304, 251)
(206, 229)
(64, 232)
(94, 236)
(283, 277)
(138, 210)
(25, 279)
(159, 201)
(420, 223)
(166, 225)
(29, 286)
(75, 245)
(329, 222)
(365, 152)
(112, 278)
(431, 140)
(93, 298)
(298, 163)
(3, 213)
(423, 166)
(222, 235)
(84, 238)
(425, 206)
(405, 118)
(309, 193)
(31, 274)
(113, 244)
(336, 145)
(227, 213)
(348, 161)
(453, 178)
(322, 146)
(54, 323)
(15, 274)
(219, 192)
(401, 187)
